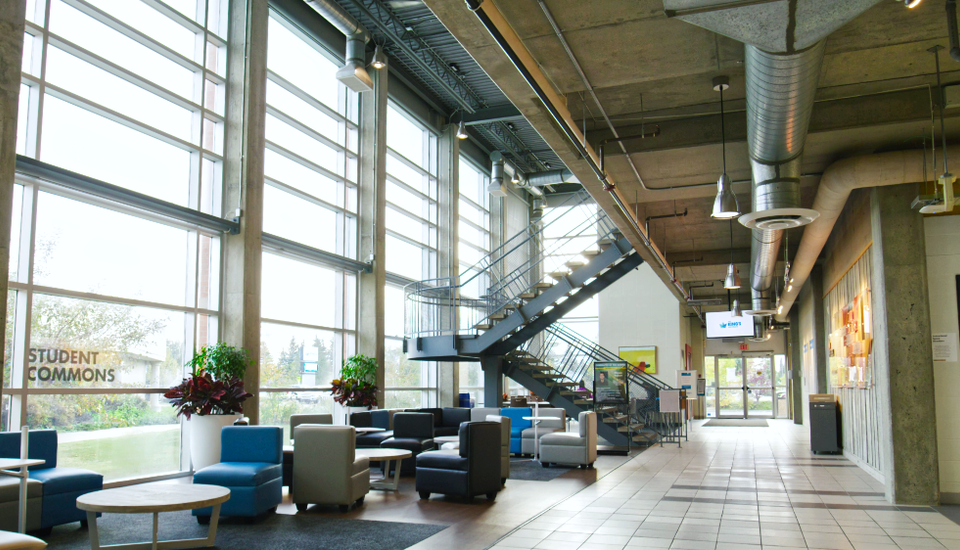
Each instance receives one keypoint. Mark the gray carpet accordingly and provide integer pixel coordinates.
(276, 532)
(531, 470)
(736, 423)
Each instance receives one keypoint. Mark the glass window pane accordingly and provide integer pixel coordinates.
(84, 343)
(120, 436)
(78, 140)
(400, 372)
(109, 44)
(277, 407)
(407, 175)
(301, 177)
(113, 92)
(23, 115)
(299, 357)
(404, 258)
(291, 217)
(298, 142)
(152, 23)
(8, 343)
(393, 311)
(15, 222)
(79, 248)
(404, 137)
(299, 292)
(411, 202)
(302, 111)
(298, 62)
(408, 227)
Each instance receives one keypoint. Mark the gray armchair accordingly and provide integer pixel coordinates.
(572, 447)
(296, 420)
(326, 469)
(554, 420)
(504, 445)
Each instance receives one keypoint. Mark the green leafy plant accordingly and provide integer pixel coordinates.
(356, 386)
(223, 362)
(215, 385)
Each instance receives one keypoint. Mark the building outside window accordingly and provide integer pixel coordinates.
(475, 244)
(308, 306)
(101, 321)
(411, 226)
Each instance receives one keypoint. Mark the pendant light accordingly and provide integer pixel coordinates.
(379, 59)
(725, 206)
(462, 131)
(735, 312)
(732, 280)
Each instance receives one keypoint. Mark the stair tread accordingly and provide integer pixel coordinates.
(590, 253)
(483, 326)
(543, 285)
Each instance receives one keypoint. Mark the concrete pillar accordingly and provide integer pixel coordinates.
(697, 344)
(819, 328)
(448, 252)
(11, 49)
(492, 366)
(372, 221)
(243, 186)
(794, 347)
(903, 357)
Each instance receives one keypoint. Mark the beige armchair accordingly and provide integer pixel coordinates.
(326, 469)
(297, 419)
(572, 447)
(554, 420)
(504, 445)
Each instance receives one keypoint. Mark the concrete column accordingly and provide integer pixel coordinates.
(492, 366)
(372, 221)
(11, 49)
(794, 347)
(697, 343)
(903, 357)
(819, 328)
(243, 186)
(448, 251)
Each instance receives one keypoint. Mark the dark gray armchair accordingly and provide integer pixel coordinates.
(412, 432)
(474, 470)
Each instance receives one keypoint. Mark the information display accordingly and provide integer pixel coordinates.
(723, 324)
(610, 383)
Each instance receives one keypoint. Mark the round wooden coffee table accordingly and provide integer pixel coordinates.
(386, 455)
(153, 499)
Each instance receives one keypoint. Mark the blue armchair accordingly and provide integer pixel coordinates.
(250, 466)
(517, 425)
(61, 486)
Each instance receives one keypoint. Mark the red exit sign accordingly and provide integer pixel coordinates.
(744, 347)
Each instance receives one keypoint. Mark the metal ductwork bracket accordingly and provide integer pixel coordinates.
(354, 72)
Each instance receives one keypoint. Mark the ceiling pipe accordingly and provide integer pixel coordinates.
(952, 29)
(354, 71)
(551, 177)
(838, 181)
(497, 188)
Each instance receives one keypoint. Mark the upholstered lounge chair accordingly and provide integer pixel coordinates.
(326, 469)
(572, 447)
(413, 432)
(473, 470)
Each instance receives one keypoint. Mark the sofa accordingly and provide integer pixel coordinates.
(412, 431)
(60, 486)
(378, 418)
(446, 421)
(554, 420)
(472, 470)
(326, 468)
(251, 467)
(10, 499)
(517, 425)
(572, 447)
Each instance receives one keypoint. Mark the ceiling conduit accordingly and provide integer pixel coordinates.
(838, 181)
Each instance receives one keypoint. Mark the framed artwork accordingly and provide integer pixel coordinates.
(641, 358)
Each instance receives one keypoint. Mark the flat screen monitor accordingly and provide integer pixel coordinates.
(722, 324)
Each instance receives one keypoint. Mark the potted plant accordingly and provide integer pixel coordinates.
(210, 398)
(356, 386)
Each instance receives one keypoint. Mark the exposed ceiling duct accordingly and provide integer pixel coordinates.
(497, 187)
(551, 177)
(784, 49)
(354, 72)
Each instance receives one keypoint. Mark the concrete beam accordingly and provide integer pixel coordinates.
(11, 48)
(243, 167)
(828, 116)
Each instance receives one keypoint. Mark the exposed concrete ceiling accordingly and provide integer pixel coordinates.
(647, 68)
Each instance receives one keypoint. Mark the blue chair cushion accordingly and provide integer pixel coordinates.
(66, 480)
(43, 445)
(251, 444)
(516, 415)
(238, 474)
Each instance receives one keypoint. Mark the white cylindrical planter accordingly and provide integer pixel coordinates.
(205, 438)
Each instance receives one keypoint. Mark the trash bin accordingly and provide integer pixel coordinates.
(465, 399)
(824, 423)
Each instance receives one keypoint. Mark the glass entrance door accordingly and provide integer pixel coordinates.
(730, 387)
(759, 387)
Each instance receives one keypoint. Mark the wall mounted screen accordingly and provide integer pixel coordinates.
(722, 324)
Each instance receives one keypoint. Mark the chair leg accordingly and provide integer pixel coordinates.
(491, 496)
(203, 520)
(344, 508)
(301, 506)
(424, 495)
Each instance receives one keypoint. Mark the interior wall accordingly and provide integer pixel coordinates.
(639, 310)
(808, 344)
(942, 236)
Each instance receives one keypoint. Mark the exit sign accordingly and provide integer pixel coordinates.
(744, 347)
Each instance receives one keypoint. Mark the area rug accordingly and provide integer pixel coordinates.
(736, 423)
(276, 532)
(531, 470)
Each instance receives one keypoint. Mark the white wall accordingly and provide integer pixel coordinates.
(943, 265)
(777, 344)
(639, 310)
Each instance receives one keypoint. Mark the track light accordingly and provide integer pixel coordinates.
(732, 282)
(725, 206)
(912, 3)
(735, 311)
(379, 59)
(515, 179)
(462, 131)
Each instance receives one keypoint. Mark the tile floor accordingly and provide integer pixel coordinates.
(734, 488)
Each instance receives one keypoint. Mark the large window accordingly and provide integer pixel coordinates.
(310, 197)
(411, 249)
(561, 223)
(101, 319)
(475, 244)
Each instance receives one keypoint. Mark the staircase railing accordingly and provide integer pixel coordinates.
(455, 305)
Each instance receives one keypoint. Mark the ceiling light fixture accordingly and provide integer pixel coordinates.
(379, 58)
(462, 131)
(912, 3)
(732, 280)
(516, 177)
(736, 308)
(725, 206)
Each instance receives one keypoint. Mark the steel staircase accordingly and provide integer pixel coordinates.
(509, 302)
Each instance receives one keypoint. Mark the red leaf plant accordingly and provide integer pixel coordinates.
(200, 394)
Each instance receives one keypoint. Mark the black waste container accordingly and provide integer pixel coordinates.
(824, 423)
